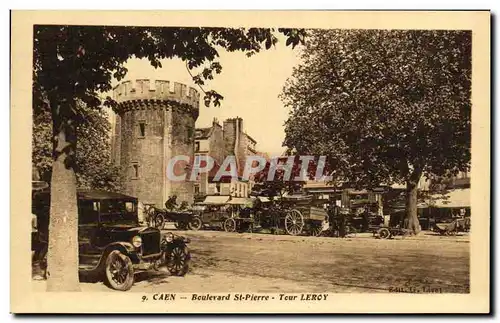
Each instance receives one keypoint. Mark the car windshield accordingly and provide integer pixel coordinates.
(118, 212)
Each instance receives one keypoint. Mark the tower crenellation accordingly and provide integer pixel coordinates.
(147, 90)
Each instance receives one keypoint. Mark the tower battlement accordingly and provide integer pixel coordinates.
(156, 90)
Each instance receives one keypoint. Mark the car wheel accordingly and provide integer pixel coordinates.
(195, 224)
(119, 271)
(159, 221)
(384, 233)
(178, 261)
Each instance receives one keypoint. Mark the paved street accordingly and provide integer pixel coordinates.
(231, 262)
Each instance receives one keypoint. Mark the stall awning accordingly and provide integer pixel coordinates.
(319, 190)
(216, 199)
(456, 198)
(240, 201)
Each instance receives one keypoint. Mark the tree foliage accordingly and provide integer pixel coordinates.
(83, 60)
(384, 106)
(289, 176)
(93, 166)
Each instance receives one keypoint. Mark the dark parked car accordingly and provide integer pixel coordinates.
(111, 242)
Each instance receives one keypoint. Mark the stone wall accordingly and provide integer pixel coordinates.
(144, 153)
(182, 137)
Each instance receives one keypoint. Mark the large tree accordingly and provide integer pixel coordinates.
(77, 64)
(385, 106)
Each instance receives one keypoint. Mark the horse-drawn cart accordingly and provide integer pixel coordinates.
(294, 214)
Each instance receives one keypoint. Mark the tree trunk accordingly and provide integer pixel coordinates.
(62, 256)
(411, 219)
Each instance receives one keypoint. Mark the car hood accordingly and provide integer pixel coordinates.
(130, 229)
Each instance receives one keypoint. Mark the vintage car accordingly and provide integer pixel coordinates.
(212, 215)
(112, 245)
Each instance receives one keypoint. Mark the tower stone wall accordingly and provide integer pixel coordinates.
(156, 121)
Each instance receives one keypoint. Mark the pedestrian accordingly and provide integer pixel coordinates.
(342, 225)
(171, 203)
(34, 236)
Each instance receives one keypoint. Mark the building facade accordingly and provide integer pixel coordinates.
(218, 142)
(155, 121)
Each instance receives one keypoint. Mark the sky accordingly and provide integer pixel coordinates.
(250, 86)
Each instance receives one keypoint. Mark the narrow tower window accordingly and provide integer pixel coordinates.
(135, 170)
(142, 129)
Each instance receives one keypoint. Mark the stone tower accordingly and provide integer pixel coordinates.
(155, 121)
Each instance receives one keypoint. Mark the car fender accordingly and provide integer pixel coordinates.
(181, 242)
(124, 247)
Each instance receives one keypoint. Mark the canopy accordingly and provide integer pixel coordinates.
(297, 197)
(103, 195)
(457, 198)
(240, 201)
(216, 199)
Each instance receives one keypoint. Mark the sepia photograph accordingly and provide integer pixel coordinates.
(252, 167)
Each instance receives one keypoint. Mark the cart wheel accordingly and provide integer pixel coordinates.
(384, 233)
(294, 222)
(316, 230)
(195, 224)
(230, 225)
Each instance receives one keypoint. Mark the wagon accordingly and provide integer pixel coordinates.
(294, 214)
(241, 218)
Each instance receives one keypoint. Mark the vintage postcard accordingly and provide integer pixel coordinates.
(250, 162)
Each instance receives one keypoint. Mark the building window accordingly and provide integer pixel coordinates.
(135, 167)
(196, 146)
(197, 189)
(142, 129)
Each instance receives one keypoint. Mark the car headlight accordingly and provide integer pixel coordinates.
(169, 237)
(137, 241)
